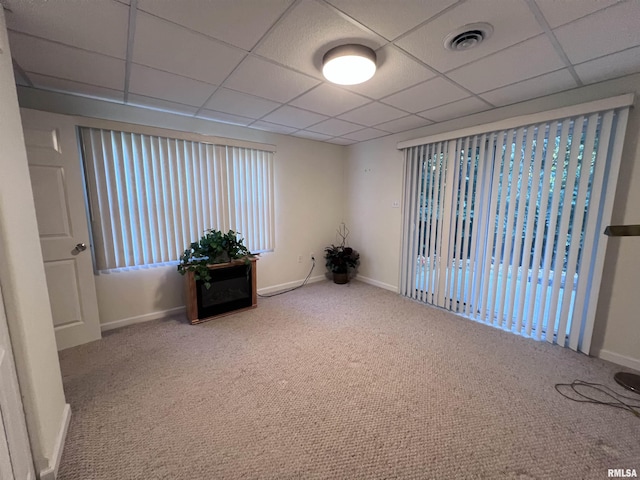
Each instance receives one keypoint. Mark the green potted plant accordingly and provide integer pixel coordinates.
(340, 259)
(212, 248)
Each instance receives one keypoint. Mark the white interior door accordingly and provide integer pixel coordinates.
(58, 191)
(15, 453)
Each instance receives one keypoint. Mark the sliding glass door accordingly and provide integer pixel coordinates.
(505, 227)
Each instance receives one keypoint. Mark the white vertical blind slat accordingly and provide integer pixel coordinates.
(462, 146)
(149, 196)
(99, 196)
(424, 204)
(414, 216)
(432, 158)
(470, 160)
(432, 234)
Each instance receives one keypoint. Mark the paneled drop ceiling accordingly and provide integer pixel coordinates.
(257, 63)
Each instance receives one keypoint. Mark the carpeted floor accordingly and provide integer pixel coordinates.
(335, 381)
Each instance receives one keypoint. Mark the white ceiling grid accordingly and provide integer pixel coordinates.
(258, 63)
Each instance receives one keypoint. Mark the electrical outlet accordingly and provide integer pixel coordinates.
(395, 204)
(299, 258)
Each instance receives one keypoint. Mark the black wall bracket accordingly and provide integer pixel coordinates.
(622, 230)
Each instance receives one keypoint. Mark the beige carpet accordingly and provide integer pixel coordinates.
(335, 381)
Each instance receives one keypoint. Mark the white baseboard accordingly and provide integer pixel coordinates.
(141, 318)
(286, 286)
(51, 472)
(377, 283)
(619, 359)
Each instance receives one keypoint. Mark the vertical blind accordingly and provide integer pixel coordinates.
(151, 196)
(505, 227)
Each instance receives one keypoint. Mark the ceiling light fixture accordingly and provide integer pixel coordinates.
(349, 64)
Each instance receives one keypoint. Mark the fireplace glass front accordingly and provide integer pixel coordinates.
(230, 290)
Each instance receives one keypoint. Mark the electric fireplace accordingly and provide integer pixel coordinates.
(233, 288)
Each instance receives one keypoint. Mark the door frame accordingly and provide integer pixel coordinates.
(12, 418)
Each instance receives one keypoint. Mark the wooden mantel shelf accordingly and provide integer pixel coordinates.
(192, 291)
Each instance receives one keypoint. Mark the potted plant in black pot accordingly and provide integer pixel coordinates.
(340, 258)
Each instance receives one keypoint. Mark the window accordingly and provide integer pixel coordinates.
(151, 196)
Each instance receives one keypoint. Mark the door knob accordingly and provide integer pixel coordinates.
(80, 247)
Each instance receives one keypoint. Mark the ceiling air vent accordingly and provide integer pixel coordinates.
(468, 36)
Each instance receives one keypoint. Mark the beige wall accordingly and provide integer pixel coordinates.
(374, 180)
(23, 280)
(309, 205)
(313, 196)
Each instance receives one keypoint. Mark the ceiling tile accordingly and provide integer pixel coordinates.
(372, 114)
(272, 127)
(427, 42)
(99, 25)
(333, 127)
(264, 79)
(366, 134)
(535, 87)
(341, 141)
(329, 100)
(239, 22)
(608, 31)
(162, 105)
(312, 135)
(427, 95)
(68, 86)
(56, 60)
(166, 46)
(525, 60)
(403, 124)
(225, 100)
(391, 22)
(457, 109)
(386, 81)
(560, 12)
(294, 117)
(224, 117)
(610, 66)
(316, 28)
(167, 86)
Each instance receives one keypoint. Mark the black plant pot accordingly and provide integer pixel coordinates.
(340, 278)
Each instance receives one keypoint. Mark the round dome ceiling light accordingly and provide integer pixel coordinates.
(349, 64)
(468, 36)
